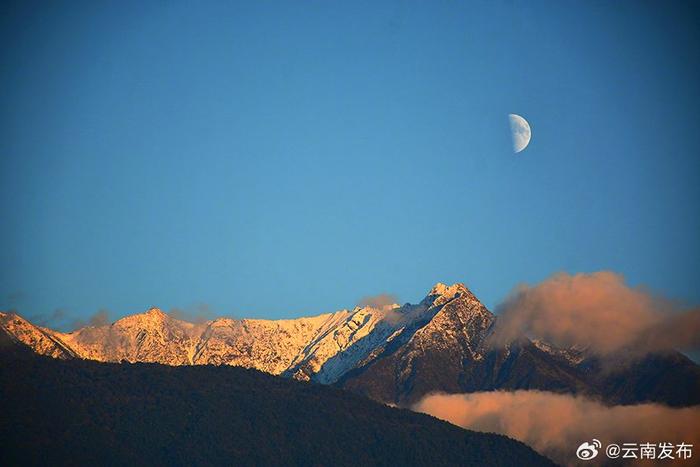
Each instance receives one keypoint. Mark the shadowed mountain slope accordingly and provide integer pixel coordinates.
(79, 412)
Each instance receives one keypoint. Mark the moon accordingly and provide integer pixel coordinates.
(520, 131)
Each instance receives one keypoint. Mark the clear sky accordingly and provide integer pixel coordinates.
(277, 159)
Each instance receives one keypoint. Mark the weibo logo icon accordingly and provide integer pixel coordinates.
(588, 451)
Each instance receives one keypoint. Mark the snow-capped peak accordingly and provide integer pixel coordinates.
(442, 293)
(322, 348)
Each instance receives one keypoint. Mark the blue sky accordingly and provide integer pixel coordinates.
(276, 159)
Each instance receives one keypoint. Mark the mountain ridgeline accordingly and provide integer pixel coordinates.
(393, 354)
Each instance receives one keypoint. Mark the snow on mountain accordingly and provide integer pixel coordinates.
(320, 348)
(40, 339)
(394, 354)
(432, 353)
(331, 354)
(572, 355)
(267, 345)
(152, 336)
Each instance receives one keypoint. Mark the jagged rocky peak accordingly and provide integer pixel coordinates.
(12, 317)
(155, 311)
(458, 309)
(448, 290)
(442, 293)
(152, 317)
(152, 314)
(6, 316)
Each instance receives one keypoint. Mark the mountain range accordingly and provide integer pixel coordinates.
(393, 354)
(82, 412)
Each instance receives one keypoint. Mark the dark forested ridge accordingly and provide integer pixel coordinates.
(79, 412)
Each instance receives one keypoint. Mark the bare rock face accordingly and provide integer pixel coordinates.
(394, 354)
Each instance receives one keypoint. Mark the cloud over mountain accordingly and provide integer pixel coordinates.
(556, 424)
(378, 301)
(597, 311)
(100, 318)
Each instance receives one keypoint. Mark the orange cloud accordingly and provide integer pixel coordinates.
(556, 424)
(378, 301)
(596, 311)
(100, 318)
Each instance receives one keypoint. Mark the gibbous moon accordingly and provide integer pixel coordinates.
(520, 131)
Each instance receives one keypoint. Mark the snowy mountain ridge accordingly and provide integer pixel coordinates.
(320, 348)
(393, 354)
